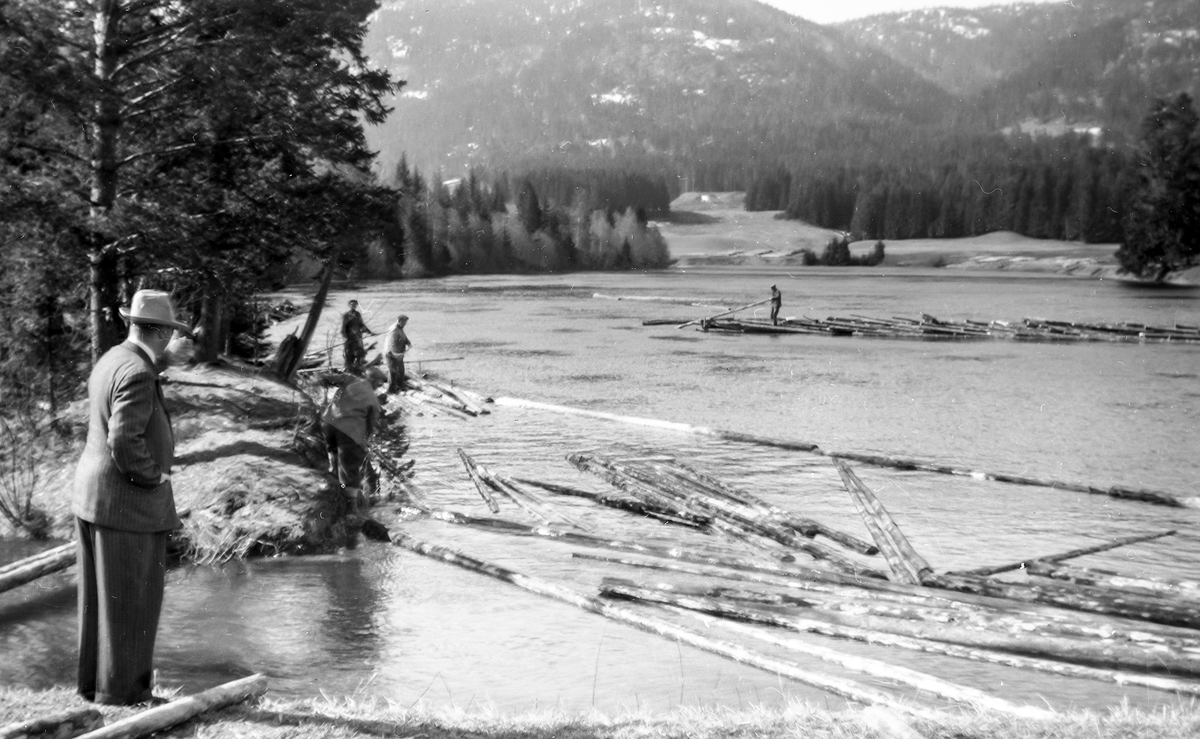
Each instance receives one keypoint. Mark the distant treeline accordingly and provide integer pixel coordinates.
(951, 186)
(548, 221)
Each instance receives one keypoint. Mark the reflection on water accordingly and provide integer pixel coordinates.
(384, 622)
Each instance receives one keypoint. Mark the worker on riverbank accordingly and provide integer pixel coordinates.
(348, 422)
(776, 304)
(353, 329)
(397, 343)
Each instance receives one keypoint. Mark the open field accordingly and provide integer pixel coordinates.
(713, 229)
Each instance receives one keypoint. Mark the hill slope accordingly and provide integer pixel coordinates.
(1088, 62)
(493, 81)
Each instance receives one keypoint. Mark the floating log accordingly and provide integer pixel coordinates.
(1079, 651)
(986, 571)
(838, 686)
(880, 669)
(1082, 598)
(622, 502)
(1062, 669)
(31, 568)
(480, 484)
(59, 726)
(1015, 616)
(805, 526)
(621, 475)
(719, 315)
(1115, 491)
(183, 709)
(906, 564)
(1151, 586)
(929, 327)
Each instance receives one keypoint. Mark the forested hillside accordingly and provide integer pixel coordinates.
(1087, 64)
(677, 84)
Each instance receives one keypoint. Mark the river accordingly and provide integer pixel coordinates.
(383, 622)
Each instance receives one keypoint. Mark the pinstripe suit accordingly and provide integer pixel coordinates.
(122, 515)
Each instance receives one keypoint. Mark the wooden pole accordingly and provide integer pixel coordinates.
(31, 568)
(59, 726)
(987, 571)
(838, 686)
(180, 710)
(735, 310)
(287, 365)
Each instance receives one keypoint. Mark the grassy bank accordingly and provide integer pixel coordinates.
(345, 718)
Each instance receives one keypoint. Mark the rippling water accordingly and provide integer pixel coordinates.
(384, 622)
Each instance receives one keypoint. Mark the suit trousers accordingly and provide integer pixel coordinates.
(122, 575)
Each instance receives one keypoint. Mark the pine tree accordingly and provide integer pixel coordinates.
(1162, 228)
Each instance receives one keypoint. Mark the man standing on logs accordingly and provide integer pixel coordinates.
(353, 328)
(124, 506)
(776, 304)
(397, 343)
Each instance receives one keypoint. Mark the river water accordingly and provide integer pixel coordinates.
(383, 622)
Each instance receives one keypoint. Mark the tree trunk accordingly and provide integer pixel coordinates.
(59, 726)
(106, 128)
(182, 709)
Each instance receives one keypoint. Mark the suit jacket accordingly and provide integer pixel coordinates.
(129, 445)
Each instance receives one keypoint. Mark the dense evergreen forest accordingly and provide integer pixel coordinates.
(558, 220)
(908, 184)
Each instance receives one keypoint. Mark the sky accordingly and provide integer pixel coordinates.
(833, 11)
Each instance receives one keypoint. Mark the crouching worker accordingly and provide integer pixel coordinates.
(348, 423)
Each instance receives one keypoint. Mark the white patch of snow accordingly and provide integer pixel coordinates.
(415, 94)
(616, 96)
(714, 44)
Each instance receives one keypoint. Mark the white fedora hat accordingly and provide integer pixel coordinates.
(153, 307)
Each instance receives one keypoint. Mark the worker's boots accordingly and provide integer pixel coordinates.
(354, 519)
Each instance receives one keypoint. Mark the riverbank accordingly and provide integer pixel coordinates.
(352, 717)
(713, 229)
(249, 469)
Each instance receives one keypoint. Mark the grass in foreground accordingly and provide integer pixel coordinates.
(350, 718)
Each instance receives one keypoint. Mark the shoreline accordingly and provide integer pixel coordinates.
(712, 230)
(351, 717)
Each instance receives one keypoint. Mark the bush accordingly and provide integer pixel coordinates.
(23, 447)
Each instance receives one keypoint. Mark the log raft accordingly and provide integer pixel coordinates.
(928, 327)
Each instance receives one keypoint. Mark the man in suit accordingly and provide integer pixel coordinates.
(124, 506)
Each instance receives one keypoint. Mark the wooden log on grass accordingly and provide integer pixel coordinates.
(64, 725)
(183, 709)
(1051, 558)
(838, 686)
(39, 565)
